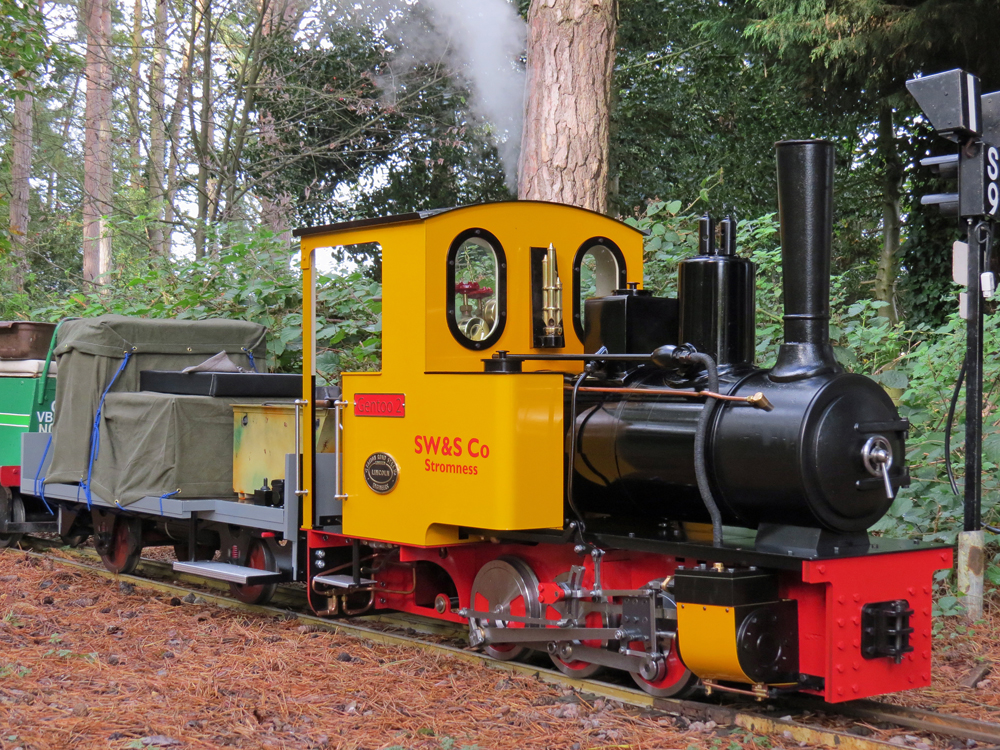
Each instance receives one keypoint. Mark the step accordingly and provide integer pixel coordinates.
(221, 571)
(344, 582)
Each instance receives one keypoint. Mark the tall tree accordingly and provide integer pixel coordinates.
(97, 181)
(856, 55)
(20, 186)
(204, 134)
(135, 84)
(158, 129)
(565, 143)
(29, 38)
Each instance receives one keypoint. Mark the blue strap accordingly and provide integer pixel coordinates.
(40, 488)
(250, 357)
(166, 494)
(95, 433)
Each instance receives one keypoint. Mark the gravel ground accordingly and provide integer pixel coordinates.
(86, 662)
(960, 652)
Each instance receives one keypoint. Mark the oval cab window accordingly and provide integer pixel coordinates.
(477, 275)
(599, 269)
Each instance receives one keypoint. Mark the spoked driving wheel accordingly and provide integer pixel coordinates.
(121, 552)
(260, 557)
(12, 509)
(505, 587)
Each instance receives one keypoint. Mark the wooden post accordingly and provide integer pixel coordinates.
(971, 562)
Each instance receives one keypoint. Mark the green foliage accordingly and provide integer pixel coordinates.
(347, 136)
(868, 48)
(928, 508)
(14, 670)
(694, 100)
(24, 46)
(925, 287)
(252, 277)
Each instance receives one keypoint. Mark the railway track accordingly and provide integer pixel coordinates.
(793, 718)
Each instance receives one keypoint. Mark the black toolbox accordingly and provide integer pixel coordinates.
(263, 384)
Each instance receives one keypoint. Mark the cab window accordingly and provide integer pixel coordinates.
(598, 270)
(477, 278)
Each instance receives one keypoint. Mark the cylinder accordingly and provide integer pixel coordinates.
(805, 212)
(716, 296)
(799, 464)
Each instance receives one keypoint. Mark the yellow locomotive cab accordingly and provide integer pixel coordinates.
(468, 449)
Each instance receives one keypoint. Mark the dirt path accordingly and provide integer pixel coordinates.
(88, 663)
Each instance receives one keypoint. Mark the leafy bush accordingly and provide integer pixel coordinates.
(255, 278)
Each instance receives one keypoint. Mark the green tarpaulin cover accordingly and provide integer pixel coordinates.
(90, 351)
(158, 443)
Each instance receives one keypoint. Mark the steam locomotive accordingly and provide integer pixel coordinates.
(549, 455)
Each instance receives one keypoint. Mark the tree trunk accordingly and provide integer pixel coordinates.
(565, 146)
(68, 121)
(181, 102)
(20, 187)
(157, 129)
(203, 139)
(135, 134)
(22, 146)
(885, 277)
(97, 185)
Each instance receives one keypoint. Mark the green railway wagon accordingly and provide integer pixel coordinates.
(25, 406)
(27, 396)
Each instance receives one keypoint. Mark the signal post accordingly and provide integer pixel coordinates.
(955, 108)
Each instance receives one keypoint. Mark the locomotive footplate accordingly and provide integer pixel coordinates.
(739, 548)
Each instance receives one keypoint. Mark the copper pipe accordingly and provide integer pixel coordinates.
(404, 593)
(757, 400)
(355, 612)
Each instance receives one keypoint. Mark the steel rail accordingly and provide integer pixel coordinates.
(906, 716)
(284, 595)
(723, 715)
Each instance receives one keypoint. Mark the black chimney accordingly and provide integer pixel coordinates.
(805, 211)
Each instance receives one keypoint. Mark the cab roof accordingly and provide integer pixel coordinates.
(424, 215)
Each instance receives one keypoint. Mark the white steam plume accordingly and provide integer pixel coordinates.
(480, 42)
(486, 39)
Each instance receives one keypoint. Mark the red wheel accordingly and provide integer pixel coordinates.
(672, 678)
(505, 587)
(578, 668)
(125, 546)
(261, 558)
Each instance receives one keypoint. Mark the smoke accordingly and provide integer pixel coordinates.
(480, 43)
(485, 40)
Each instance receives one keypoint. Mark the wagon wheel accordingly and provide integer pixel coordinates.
(505, 586)
(124, 547)
(11, 508)
(77, 534)
(259, 556)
